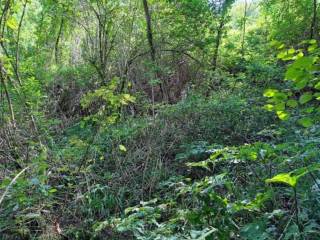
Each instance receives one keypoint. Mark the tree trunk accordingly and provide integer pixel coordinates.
(6, 91)
(244, 25)
(151, 46)
(18, 42)
(56, 48)
(313, 29)
(149, 30)
(217, 43)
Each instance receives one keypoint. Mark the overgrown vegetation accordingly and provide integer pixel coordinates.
(168, 120)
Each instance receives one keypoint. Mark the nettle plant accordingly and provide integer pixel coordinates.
(303, 93)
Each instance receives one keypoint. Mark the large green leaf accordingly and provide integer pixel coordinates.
(292, 177)
(304, 63)
(285, 178)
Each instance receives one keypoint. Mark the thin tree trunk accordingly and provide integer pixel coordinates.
(149, 30)
(18, 42)
(244, 27)
(218, 42)
(151, 45)
(56, 48)
(6, 91)
(313, 29)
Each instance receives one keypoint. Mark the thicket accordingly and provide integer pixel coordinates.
(182, 119)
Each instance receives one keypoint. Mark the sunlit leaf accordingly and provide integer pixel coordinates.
(283, 115)
(285, 178)
(12, 23)
(122, 148)
(270, 92)
(268, 107)
(291, 178)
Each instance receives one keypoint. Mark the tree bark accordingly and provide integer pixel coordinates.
(149, 30)
(152, 48)
(18, 42)
(244, 25)
(217, 42)
(6, 91)
(56, 47)
(313, 29)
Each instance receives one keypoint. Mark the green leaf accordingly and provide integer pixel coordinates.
(317, 95)
(291, 178)
(291, 51)
(268, 107)
(317, 86)
(280, 97)
(292, 103)
(270, 92)
(280, 106)
(12, 23)
(284, 178)
(312, 48)
(306, 122)
(307, 97)
(283, 115)
(301, 84)
(304, 63)
(53, 190)
(203, 164)
(122, 148)
(293, 73)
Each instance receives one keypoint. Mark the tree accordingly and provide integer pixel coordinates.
(220, 9)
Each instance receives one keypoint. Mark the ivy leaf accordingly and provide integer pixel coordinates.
(307, 97)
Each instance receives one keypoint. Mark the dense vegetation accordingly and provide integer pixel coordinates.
(159, 119)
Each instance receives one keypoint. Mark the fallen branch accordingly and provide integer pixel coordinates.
(11, 183)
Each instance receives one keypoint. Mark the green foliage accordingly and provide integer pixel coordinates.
(302, 93)
(196, 204)
(126, 121)
(112, 102)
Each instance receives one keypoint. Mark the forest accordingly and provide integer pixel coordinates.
(159, 119)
